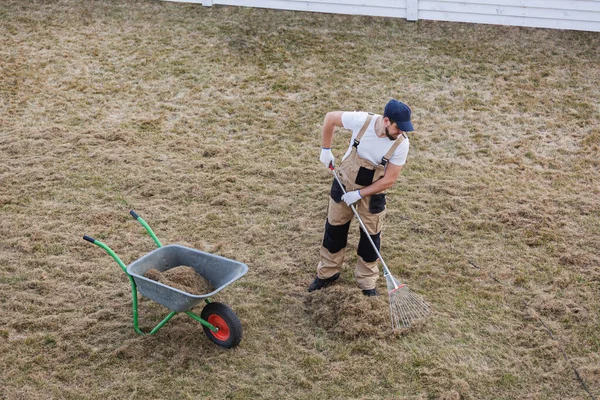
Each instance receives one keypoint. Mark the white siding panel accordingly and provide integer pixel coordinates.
(305, 3)
(365, 3)
(557, 14)
(324, 7)
(505, 11)
(513, 21)
(586, 16)
(575, 5)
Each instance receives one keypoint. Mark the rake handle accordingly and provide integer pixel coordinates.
(362, 225)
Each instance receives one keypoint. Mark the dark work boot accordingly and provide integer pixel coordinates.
(319, 283)
(370, 292)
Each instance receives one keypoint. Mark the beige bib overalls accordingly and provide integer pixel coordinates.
(355, 173)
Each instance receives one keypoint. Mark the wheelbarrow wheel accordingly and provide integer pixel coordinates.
(229, 333)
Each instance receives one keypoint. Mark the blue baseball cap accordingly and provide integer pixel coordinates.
(399, 113)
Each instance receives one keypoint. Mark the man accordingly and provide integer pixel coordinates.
(378, 150)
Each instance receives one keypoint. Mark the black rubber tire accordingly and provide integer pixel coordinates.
(230, 328)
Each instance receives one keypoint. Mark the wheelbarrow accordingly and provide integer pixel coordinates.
(219, 322)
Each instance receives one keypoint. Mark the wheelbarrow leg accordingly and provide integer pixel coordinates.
(135, 314)
(203, 322)
(133, 289)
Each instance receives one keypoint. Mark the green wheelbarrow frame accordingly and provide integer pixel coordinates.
(219, 322)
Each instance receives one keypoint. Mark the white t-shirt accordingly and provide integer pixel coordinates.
(371, 146)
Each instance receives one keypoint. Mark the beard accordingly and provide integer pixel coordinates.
(387, 133)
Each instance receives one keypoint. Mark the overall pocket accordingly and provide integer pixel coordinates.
(364, 177)
(377, 203)
(336, 191)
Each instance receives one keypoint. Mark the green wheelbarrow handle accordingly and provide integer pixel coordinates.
(146, 226)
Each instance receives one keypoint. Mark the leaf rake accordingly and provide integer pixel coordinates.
(406, 307)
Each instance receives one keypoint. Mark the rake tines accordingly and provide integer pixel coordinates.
(406, 307)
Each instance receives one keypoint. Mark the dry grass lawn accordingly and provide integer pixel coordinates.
(206, 121)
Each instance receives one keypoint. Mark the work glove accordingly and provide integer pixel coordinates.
(326, 157)
(352, 197)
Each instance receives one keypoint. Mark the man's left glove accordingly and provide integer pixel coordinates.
(352, 197)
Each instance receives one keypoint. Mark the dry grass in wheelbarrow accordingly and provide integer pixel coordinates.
(183, 278)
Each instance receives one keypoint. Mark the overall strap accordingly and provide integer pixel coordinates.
(362, 130)
(392, 149)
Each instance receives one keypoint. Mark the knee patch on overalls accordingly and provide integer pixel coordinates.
(365, 249)
(336, 236)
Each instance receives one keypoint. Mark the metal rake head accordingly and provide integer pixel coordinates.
(406, 307)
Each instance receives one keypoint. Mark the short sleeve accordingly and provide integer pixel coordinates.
(401, 153)
(354, 120)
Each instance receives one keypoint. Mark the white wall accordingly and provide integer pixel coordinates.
(390, 8)
(558, 14)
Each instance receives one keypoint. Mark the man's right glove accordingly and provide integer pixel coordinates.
(326, 157)
(352, 197)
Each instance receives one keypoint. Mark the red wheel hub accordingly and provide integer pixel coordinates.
(223, 329)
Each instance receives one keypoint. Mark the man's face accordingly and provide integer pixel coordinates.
(392, 131)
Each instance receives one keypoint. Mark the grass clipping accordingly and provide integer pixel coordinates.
(347, 312)
(183, 278)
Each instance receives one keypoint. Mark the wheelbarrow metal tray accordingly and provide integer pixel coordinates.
(218, 271)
